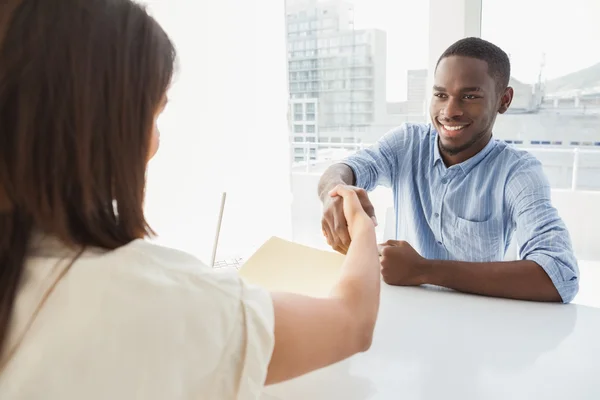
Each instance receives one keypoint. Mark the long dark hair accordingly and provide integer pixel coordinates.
(80, 84)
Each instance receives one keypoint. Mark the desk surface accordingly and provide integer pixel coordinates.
(437, 344)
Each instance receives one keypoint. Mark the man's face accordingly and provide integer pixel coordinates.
(465, 104)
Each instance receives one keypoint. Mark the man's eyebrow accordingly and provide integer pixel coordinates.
(465, 89)
(471, 89)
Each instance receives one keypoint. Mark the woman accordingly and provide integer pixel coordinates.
(88, 309)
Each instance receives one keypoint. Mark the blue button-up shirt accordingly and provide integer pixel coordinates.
(469, 211)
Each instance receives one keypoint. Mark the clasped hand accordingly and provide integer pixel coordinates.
(401, 265)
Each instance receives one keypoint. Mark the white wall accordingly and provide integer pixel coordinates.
(225, 127)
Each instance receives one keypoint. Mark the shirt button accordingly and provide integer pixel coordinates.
(437, 215)
(444, 181)
(440, 243)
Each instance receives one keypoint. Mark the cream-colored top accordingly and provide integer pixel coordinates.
(139, 322)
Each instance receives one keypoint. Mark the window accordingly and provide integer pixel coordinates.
(186, 221)
(556, 78)
(348, 40)
(298, 139)
(298, 108)
(351, 45)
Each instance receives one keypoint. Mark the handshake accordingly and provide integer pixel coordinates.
(339, 215)
(348, 213)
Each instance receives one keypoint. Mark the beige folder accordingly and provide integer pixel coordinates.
(283, 266)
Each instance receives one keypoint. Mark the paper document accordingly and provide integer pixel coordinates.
(284, 266)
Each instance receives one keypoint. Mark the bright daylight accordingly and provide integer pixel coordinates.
(299, 199)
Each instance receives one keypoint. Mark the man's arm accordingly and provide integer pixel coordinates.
(337, 174)
(541, 234)
(522, 280)
(364, 171)
(375, 165)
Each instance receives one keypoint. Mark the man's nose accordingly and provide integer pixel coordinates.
(452, 109)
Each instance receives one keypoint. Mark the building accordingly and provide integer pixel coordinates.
(416, 85)
(337, 76)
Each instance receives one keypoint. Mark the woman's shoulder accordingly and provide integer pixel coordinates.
(152, 265)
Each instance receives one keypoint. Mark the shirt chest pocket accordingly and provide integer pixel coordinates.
(476, 241)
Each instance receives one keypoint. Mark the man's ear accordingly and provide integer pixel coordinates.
(506, 99)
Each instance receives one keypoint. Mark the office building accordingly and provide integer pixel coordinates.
(416, 84)
(336, 75)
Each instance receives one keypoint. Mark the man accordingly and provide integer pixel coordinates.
(459, 194)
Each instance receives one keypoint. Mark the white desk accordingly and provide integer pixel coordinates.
(438, 344)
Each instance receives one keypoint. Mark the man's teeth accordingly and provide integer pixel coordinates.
(454, 128)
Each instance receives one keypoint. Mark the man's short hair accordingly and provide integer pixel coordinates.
(496, 59)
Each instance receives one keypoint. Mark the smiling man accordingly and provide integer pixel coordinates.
(460, 195)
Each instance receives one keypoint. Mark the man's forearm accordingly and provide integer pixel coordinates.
(337, 174)
(522, 280)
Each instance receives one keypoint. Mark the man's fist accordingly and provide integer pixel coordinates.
(401, 265)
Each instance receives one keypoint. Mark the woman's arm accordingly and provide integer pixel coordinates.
(312, 333)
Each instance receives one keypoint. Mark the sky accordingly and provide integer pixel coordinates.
(406, 23)
(526, 29)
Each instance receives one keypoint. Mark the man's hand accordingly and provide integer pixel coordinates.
(334, 224)
(401, 265)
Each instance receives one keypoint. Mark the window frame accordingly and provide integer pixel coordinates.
(459, 19)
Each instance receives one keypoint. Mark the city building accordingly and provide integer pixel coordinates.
(416, 84)
(337, 76)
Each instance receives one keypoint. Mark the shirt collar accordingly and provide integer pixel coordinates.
(468, 165)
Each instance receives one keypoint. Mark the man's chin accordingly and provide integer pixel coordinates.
(452, 146)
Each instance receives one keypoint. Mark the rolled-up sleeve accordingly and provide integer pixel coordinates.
(541, 234)
(378, 164)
